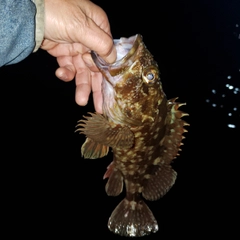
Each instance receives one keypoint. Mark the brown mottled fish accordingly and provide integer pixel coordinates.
(144, 131)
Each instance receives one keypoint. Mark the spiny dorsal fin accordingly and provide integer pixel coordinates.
(174, 131)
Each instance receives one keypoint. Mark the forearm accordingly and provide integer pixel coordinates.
(22, 29)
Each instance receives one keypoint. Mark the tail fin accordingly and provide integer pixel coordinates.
(132, 219)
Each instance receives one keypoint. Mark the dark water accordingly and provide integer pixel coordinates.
(197, 46)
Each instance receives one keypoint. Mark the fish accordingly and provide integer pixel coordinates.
(144, 131)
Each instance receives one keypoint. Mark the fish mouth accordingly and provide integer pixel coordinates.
(126, 55)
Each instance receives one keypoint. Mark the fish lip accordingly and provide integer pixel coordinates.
(102, 64)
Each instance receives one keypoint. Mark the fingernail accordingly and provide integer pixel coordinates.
(62, 77)
(111, 58)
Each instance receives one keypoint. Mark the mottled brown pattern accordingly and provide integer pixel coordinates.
(141, 113)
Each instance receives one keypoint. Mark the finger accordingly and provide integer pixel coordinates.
(89, 62)
(97, 91)
(65, 74)
(64, 49)
(97, 101)
(103, 45)
(87, 81)
(83, 87)
(96, 82)
(83, 81)
(66, 70)
(111, 57)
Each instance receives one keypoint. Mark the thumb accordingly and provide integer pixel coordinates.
(99, 41)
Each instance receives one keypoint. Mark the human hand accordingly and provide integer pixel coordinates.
(72, 29)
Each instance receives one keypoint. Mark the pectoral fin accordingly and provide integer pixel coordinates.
(98, 129)
(91, 149)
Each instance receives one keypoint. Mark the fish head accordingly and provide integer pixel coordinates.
(131, 86)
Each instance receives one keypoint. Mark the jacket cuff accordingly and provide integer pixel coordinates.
(39, 23)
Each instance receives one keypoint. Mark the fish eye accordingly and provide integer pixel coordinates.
(150, 75)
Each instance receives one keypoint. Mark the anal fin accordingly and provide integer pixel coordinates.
(162, 179)
(132, 219)
(109, 170)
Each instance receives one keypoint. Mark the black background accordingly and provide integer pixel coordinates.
(54, 192)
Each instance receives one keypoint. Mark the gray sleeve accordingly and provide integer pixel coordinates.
(17, 32)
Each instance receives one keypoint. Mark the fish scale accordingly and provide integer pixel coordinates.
(144, 131)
